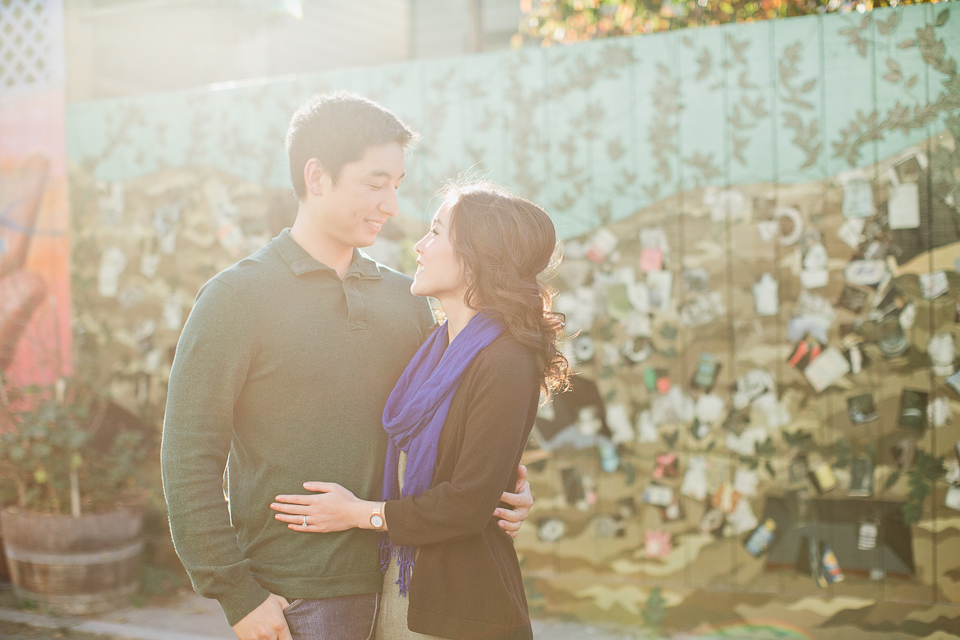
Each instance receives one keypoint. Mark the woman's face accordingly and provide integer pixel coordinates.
(439, 273)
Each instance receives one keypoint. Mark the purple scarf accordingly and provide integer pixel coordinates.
(415, 413)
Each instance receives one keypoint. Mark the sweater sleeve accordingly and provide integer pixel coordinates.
(494, 436)
(209, 370)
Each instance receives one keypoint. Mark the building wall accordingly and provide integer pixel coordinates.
(124, 48)
(144, 46)
(443, 27)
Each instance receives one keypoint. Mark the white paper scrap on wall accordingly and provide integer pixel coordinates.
(172, 313)
(851, 232)
(112, 263)
(618, 419)
(695, 483)
(149, 264)
(746, 443)
(710, 408)
(903, 207)
(745, 482)
(828, 367)
(953, 498)
(766, 296)
(742, 519)
(646, 428)
(857, 199)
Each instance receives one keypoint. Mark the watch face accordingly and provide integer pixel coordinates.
(376, 521)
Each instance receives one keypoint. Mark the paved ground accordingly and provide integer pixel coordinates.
(196, 618)
(14, 631)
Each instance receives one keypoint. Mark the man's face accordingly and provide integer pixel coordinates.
(353, 211)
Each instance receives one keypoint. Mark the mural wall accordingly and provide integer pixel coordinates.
(761, 286)
(34, 245)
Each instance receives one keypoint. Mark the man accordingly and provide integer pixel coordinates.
(281, 373)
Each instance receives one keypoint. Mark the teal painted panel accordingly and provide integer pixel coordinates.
(594, 131)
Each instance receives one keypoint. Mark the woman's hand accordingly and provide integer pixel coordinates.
(512, 519)
(333, 508)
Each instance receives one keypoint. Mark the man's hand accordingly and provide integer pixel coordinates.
(266, 622)
(512, 519)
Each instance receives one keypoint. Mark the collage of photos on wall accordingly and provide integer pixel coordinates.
(762, 302)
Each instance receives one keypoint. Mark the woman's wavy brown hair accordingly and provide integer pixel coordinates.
(504, 243)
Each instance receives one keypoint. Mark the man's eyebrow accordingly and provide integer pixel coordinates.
(381, 173)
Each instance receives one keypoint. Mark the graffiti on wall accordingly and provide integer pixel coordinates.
(761, 287)
(34, 244)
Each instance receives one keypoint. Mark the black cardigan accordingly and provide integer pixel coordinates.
(466, 581)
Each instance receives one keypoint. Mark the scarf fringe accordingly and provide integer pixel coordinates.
(386, 551)
(405, 559)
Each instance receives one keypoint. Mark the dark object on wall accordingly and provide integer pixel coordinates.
(890, 336)
(938, 223)
(861, 477)
(108, 420)
(566, 406)
(837, 522)
(853, 298)
(706, 374)
(573, 489)
(805, 352)
(913, 410)
(862, 409)
(903, 453)
(551, 530)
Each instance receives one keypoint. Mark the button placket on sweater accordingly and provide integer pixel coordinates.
(362, 270)
(356, 305)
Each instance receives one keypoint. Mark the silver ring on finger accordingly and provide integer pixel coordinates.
(304, 520)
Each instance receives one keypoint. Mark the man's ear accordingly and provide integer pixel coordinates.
(313, 177)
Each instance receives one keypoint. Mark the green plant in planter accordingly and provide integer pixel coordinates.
(58, 454)
(73, 518)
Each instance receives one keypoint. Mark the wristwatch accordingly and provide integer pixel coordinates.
(376, 518)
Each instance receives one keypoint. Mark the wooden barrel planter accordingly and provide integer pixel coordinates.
(74, 566)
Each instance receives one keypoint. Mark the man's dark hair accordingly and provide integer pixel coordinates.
(337, 128)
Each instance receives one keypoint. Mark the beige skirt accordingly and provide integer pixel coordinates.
(392, 617)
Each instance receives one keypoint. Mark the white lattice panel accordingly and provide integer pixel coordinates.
(25, 45)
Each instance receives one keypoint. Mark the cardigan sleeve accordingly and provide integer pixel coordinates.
(504, 390)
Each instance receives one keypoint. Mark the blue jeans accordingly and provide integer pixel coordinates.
(340, 618)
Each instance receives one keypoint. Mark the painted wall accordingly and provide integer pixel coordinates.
(761, 235)
(34, 245)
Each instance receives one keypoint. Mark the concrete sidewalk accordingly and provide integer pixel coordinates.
(196, 618)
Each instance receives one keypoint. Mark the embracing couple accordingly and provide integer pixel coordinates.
(371, 458)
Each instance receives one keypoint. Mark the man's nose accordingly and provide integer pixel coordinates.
(391, 205)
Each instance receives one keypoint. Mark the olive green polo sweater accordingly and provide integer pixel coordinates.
(281, 375)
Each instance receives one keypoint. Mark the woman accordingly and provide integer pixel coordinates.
(457, 422)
